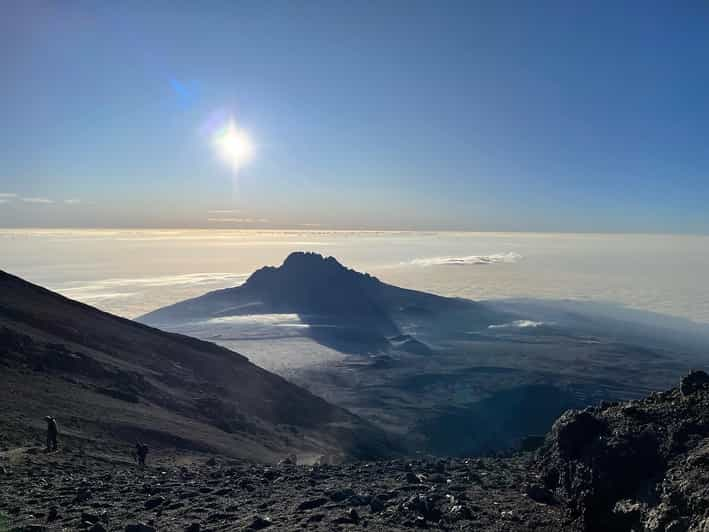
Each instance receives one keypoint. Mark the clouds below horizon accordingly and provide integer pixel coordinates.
(44, 201)
(518, 324)
(7, 197)
(471, 260)
(239, 220)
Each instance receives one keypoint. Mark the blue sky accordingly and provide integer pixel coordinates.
(523, 116)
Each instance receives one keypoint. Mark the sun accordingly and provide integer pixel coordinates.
(234, 146)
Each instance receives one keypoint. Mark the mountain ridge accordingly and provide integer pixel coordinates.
(308, 283)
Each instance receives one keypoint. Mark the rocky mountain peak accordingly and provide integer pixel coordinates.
(311, 283)
(308, 268)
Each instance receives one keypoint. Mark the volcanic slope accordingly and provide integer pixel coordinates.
(115, 381)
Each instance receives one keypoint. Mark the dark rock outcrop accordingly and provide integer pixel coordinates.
(641, 465)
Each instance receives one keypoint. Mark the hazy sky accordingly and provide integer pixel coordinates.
(481, 115)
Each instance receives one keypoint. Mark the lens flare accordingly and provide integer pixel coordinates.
(234, 146)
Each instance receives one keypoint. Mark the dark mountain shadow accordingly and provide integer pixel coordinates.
(498, 422)
(609, 319)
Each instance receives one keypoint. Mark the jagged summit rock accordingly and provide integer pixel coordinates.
(311, 283)
(693, 382)
(639, 465)
(307, 266)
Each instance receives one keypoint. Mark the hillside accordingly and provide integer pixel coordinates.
(111, 381)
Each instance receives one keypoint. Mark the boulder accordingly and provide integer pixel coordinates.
(694, 382)
(424, 506)
(460, 512)
(259, 523)
(340, 495)
(311, 503)
(411, 478)
(351, 517)
(376, 505)
(637, 465)
(359, 500)
(540, 494)
(154, 502)
(139, 527)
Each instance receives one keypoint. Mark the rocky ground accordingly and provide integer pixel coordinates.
(70, 490)
(634, 466)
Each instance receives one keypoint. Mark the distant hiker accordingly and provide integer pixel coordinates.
(141, 451)
(52, 432)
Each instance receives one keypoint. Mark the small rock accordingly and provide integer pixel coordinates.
(359, 500)
(139, 527)
(259, 523)
(460, 512)
(411, 478)
(424, 506)
(341, 494)
(540, 494)
(89, 518)
(311, 503)
(440, 466)
(316, 518)
(351, 517)
(288, 461)
(154, 502)
(271, 474)
(376, 505)
(212, 461)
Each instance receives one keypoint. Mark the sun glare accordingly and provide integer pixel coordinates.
(234, 146)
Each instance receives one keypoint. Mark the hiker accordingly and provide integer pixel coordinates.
(52, 431)
(141, 451)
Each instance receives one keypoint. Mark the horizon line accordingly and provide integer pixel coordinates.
(311, 229)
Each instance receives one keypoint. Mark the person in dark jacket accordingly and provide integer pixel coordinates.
(52, 432)
(141, 452)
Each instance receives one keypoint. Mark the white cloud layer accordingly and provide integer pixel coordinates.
(496, 258)
(38, 200)
(5, 197)
(159, 281)
(518, 324)
(239, 220)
